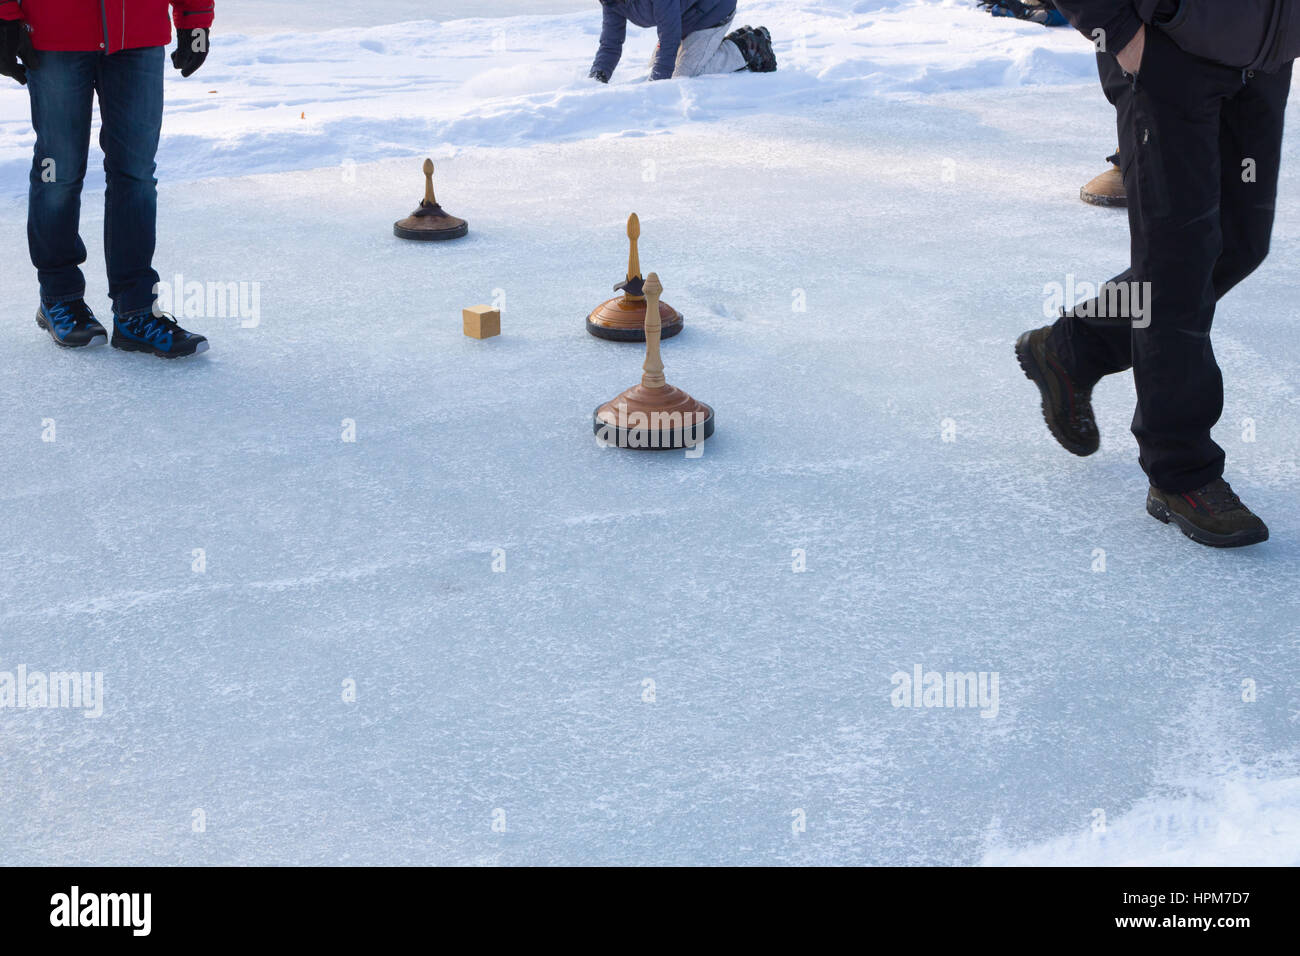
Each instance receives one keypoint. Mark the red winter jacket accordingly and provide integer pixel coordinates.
(108, 25)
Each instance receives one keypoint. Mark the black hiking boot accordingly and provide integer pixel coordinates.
(756, 46)
(1067, 406)
(1212, 515)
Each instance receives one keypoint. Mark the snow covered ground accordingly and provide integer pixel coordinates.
(648, 680)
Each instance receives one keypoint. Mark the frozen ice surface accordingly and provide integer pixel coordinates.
(915, 176)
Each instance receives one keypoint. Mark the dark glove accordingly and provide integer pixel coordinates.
(15, 45)
(599, 75)
(191, 50)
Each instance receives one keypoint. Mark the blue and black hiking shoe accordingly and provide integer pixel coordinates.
(156, 334)
(71, 324)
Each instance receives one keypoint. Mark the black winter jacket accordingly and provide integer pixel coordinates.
(1246, 34)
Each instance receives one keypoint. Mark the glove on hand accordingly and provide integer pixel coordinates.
(16, 45)
(191, 50)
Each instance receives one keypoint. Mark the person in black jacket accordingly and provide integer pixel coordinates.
(1200, 89)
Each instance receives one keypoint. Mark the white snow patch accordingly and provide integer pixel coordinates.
(272, 101)
(1234, 822)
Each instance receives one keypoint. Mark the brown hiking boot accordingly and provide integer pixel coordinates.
(1067, 406)
(1106, 189)
(1212, 515)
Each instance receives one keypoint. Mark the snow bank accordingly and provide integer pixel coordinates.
(267, 102)
(1233, 822)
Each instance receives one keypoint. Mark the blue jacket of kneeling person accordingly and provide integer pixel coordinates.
(674, 19)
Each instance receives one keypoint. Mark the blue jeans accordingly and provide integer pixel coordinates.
(130, 89)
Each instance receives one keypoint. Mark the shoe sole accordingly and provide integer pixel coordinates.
(1029, 365)
(126, 345)
(101, 339)
(766, 55)
(1098, 199)
(1238, 539)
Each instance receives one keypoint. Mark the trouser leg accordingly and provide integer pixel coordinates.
(1186, 111)
(130, 85)
(1090, 345)
(62, 90)
(728, 58)
(709, 51)
(1179, 383)
(1250, 147)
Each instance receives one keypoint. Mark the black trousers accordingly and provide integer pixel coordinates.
(1200, 146)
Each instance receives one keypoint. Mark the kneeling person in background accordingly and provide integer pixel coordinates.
(693, 38)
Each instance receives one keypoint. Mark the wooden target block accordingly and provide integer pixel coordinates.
(482, 321)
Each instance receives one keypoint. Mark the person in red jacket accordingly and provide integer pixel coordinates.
(67, 52)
